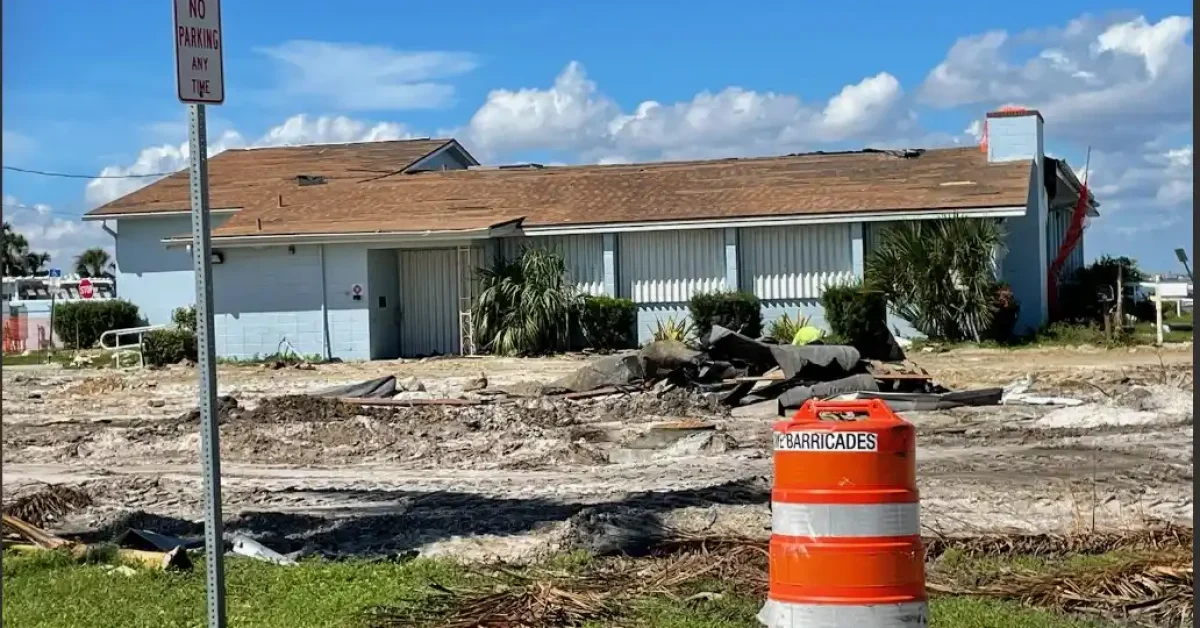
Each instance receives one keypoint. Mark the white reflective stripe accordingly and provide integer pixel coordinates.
(845, 520)
(787, 615)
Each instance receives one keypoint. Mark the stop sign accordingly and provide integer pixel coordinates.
(85, 288)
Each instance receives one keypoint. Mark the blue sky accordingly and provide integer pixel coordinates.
(89, 89)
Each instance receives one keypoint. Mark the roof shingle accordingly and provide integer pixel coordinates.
(238, 176)
(869, 181)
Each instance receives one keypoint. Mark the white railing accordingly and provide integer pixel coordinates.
(118, 348)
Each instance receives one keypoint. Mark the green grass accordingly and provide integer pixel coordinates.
(49, 590)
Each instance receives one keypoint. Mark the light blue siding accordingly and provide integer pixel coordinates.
(661, 270)
(788, 268)
(151, 276)
(1021, 138)
(583, 255)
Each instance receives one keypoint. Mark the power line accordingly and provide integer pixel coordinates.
(67, 175)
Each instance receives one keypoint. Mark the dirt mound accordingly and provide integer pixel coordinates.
(294, 408)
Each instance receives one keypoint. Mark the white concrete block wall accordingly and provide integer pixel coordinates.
(265, 296)
(151, 276)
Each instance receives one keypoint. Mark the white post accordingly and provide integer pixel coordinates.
(1158, 307)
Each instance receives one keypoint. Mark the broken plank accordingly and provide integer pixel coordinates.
(410, 402)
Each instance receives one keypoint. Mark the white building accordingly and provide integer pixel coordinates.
(363, 251)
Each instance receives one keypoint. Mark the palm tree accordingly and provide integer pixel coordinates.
(35, 263)
(16, 248)
(940, 275)
(524, 304)
(94, 262)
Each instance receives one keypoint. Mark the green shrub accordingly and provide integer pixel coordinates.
(169, 346)
(858, 316)
(676, 331)
(608, 323)
(784, 328)
(80, 323)
(738, 311)
(184, 317)
(1005, 309)
(1079, 293)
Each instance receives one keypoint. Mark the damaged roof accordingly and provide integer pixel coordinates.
(238, 177)
(812, 184)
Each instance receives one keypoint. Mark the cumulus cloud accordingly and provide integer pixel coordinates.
(1120, 84)
(574, 115)
(356, 77)
(61, 235)
(151, 163)
(1103, 82)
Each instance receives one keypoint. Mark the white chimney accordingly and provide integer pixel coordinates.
(1014, 133)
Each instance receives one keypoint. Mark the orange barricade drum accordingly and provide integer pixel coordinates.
(845, 521)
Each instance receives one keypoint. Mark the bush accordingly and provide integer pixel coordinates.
(672, 330)
(784, 329)
(80, 323)
(738, 311)
(1079, 294)
(608, 323)
(169, 346)
(1005, 310)
(184, 317)
(859, 317)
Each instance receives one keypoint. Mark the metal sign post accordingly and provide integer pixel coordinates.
(200, 79)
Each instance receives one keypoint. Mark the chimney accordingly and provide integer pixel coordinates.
(1014, 133)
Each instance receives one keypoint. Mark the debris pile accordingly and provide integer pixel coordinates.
(48, 504)
(744, 371)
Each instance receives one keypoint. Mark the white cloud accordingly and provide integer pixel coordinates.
(1106, 83)
(356, 77)
(574, 115)
(62, 236)
(16, 144)
(298, 129)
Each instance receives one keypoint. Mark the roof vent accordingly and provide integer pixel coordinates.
(528, 166)
(310, 179)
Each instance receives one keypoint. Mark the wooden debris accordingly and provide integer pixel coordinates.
(39, 540)
(405, 403)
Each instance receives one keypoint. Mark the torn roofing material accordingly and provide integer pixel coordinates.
(944, 180)
(238, 177)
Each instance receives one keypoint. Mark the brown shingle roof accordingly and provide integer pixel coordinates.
(239, 176)
(941, 179)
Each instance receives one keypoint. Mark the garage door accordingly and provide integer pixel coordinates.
(428, 302)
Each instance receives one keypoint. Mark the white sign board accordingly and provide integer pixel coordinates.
(199, 71)
(1173, 289)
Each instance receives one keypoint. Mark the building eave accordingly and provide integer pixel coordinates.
(508, 229)
(159, 214)
(774, 221)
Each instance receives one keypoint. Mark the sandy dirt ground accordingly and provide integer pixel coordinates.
(517, 480)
